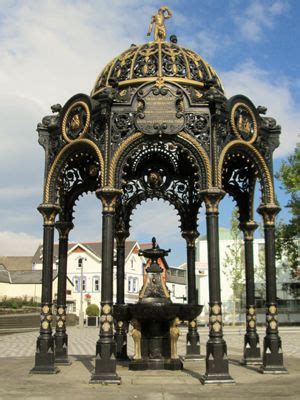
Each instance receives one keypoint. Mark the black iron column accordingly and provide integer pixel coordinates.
(61, 337)
(192, 337)
(121, 326)
(272, 353)
(44, 356)
(217, 370)
(105, 366)
(251, 339)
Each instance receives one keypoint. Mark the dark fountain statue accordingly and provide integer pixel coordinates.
(155, 318)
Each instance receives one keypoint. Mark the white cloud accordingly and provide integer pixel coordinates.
(257, 17)
(18, 244)
(248, 79)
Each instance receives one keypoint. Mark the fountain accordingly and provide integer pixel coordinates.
(155, 318)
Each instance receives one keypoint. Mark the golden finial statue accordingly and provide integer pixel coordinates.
(158, 20)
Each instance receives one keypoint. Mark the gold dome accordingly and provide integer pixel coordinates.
(157, 60)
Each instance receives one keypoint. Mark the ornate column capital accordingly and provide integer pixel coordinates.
(64, 228)
(212, 198)
(190, 237)
(268, 212)
(108, 197)
(49, 212)
(248, 228)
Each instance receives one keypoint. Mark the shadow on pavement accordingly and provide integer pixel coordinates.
(86, 361)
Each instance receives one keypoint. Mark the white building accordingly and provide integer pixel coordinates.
(84, 261)
(21, 276)
(283, 276)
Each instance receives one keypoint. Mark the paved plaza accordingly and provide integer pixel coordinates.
(16, 359)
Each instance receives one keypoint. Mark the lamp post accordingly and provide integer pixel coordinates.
(81, 313)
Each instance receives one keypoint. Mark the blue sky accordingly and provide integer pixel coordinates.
(50, 50)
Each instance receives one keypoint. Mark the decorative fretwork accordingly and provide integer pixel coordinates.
(80, 174)
(122, 126)
(239, 177)
(162, 170)
(155, 60)
(197, 124)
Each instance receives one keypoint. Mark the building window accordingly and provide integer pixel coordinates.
(80, 262)
(83, 285)
(173, 289)
(76, 282)
(96, 283)
(132, 261)
(132, 284)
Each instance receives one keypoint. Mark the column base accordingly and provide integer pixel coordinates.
(44, 370)
(272, 356)
(61, 350)
(252, 354)
(44, 357)
(193, 353)
(217, 370)
(273, 370)
(211, 379)
(105, 372)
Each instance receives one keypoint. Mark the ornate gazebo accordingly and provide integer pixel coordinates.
(158, 125)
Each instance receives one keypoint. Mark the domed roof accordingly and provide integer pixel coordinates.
(157, 60)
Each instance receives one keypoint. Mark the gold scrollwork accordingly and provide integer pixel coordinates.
(76, 124)
(117, 155)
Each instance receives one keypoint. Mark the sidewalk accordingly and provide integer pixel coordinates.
(17, 358)
(72, 383)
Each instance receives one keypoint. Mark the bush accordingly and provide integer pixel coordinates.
(17, 302)
(92, 310)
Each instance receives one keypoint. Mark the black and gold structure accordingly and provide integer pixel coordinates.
(158, 124)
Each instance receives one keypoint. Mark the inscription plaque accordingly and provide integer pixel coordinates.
(160, 111)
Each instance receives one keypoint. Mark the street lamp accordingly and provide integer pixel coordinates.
(81, 313)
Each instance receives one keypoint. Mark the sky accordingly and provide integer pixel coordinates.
(51, 50)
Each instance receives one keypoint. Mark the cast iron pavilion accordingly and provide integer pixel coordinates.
(157, 124)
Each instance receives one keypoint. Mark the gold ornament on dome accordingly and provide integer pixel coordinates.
(60, 310)
(120, 324)
(106, 309)
(158, 23)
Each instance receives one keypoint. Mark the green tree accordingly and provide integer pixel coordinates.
(234, 262)
(287, 234)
